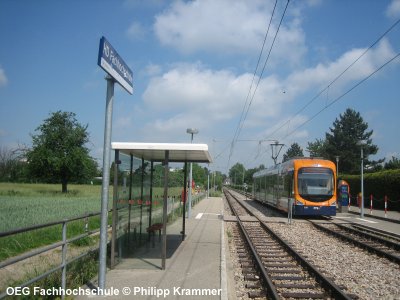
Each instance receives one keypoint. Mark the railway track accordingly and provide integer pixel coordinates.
(375, 242)
(276, 270)
(380, 233)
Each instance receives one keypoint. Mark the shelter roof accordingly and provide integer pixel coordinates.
(178, 152)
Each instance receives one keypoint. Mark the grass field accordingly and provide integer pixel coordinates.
(23, 205)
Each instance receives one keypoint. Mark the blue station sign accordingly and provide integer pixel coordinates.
(112, 63)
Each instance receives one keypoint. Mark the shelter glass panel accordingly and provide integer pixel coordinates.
(132, 203)
(138, 218)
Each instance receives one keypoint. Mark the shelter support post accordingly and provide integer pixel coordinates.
(141, 203)
(184, 201)
(165, 207)
(114, 211)
(130, 198)
(151, 193)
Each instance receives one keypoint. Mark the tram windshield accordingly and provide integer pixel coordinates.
(315, 184)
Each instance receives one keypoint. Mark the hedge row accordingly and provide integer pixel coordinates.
(378, 184)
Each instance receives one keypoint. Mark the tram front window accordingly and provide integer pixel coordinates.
(315, 184)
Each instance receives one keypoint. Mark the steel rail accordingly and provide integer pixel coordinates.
(360, 244)
(335, 290)
(271, 289)
(384, 239)
(387, 234)
(388, 243)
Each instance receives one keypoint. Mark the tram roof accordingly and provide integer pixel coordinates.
(178, 152)
(295, 163)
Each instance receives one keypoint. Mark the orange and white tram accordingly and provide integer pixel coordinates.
(309, 182)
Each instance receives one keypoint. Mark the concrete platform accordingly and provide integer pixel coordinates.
(195, 268)
(371, 220)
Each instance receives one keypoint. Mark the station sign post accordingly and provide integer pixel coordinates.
(118, 71)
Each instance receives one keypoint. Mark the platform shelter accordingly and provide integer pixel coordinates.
(140, 211)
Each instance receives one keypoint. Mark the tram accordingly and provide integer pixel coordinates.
(308, 183)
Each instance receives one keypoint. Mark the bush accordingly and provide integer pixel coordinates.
(378, 184)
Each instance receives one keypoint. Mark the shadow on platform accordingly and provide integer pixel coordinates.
(148, 256)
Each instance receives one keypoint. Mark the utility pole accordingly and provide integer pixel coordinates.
(277, 147)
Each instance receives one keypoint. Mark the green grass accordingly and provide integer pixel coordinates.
(23, 205)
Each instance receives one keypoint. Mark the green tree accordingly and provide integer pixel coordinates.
(58, 151)
(392, 164)
(237, 173)
(342, 141)
(317, 148)
(199, 175)
(294, 151)
(217, 179)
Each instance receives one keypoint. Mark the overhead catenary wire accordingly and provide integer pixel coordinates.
(254, 74)
(243, 117)
(337, 77)
(340, 97)
(330, 84)
(344, 94)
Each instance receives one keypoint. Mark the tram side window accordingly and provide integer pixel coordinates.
(288, 185)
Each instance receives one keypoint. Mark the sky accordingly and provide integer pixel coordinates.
(195, 65)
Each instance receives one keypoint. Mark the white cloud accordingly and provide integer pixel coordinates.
(219, 95)
(393, 10)
(322, 74)
(227, 27)
(152, 69)
(285, 127)
(3, 77)
(136, 31)
(193, 95)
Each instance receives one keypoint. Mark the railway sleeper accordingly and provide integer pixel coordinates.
(279, 265)
(248, 271)
(273, 256)
(243, 255)
(291, 277)
(257, 294)
(251, 277)
(270, 243)
(269, 247)
(245, 261)
(285, 271)
(253, 285)
(267, 260)
(270, 250)
(295, 285)
(304, 295)
(247, 265)
(263, 251)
